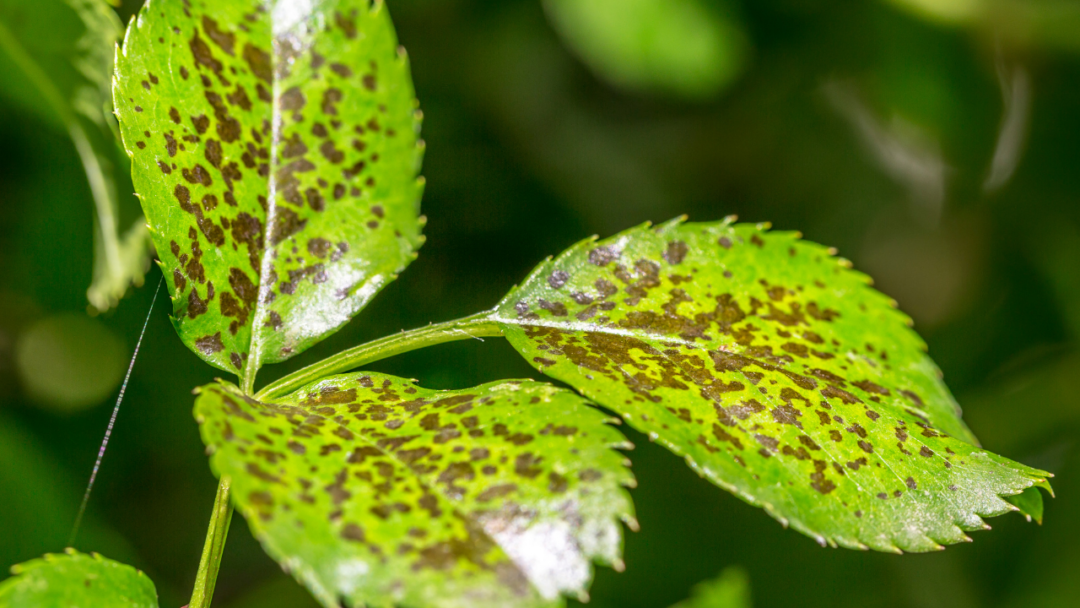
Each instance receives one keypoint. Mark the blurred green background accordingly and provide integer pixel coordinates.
(936, 143)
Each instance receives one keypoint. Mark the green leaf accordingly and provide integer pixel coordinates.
(729, 590)
(688, 48)
(779, 375)
(56, 61)
(111, 282)
(1029, 503)
(370, 488)
(76, 580)
(276, 155)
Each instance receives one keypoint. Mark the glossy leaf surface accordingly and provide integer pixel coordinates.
(370, 488)
(56, 61)
(76, 580)
(275, 150)
(776, 371)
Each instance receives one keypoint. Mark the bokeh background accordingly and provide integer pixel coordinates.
(936, 143)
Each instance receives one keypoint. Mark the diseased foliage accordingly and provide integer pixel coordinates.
(76, 580)
(777, 372)
(370, 488)
(276, 152)
(275, 148)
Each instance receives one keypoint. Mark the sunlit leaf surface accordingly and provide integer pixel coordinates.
(776, 371)
(372, 489)
(76, 580)
(275, 150)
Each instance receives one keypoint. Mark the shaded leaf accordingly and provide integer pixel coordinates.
(111, 283)
(1029, 503)
(688, 48)
(56, 61)
(367, 487)
(276, 154)
(77, 580)
(729, 590)
(777, 372)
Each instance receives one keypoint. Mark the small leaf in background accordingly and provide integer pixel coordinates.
(776, 371)
(69, 362)
(1049, 24)
(276, 156)
(76, 580)
(56, 61)
(686, 48)
(110, 285)
(729, 590)
(367, 487)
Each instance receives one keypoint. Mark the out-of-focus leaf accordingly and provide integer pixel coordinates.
(1034, 23)
(56, 60)
(76, 580)
(777, 372)
(1030, 504)
(109, 286)
(69, 362)
(729, 590)
(686, 48)
(372, 489)
(276, 154)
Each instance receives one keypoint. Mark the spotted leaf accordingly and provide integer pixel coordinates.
(76, 580)
(275, 148)
(776, 371)
(370, 488)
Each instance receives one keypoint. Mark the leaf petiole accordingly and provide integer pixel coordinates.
(476, 326)
(216, 534)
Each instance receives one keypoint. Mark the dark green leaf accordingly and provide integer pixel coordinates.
(76, 580)
(779, 374)
(56, 61)
(276, 154)
(729, 590)
(688, 48)
(370, 488)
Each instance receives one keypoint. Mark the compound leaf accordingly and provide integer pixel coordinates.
(776, 371)
(275, 148)
(77, 580)
(369, 488)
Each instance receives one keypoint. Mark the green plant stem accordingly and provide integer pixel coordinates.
(216, 534)
(475, 327)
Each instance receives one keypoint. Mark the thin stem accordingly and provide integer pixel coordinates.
(216, 534)
(475, 327)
